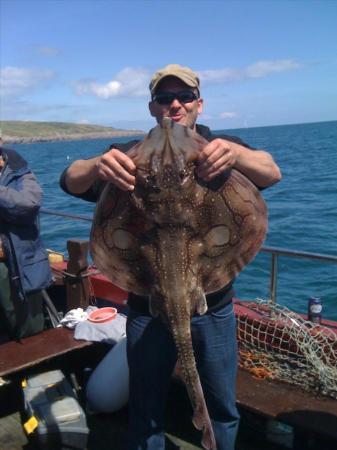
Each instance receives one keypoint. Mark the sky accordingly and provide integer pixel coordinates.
(260, 63)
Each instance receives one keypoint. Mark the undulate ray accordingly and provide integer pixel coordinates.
(176, 238)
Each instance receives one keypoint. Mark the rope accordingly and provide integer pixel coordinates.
(64, 273)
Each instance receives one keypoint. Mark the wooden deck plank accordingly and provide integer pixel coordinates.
(28, 352)
(287, 403)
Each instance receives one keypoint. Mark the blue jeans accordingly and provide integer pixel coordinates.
(152, 357)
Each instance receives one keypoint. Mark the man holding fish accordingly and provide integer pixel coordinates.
(152, 352)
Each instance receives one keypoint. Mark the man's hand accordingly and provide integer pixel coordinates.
(220, 155)
(117, 168)
(215, 158)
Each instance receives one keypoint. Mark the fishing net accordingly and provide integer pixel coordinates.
(277, 343)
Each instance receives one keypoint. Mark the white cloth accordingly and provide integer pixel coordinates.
(75, 316)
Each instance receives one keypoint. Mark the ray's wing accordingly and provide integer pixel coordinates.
(233, 224)
(116, 238)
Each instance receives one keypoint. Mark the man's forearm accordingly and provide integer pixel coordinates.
(81, 174)
(258, 166)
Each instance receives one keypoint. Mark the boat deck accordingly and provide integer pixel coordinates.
(314, 418)
(109, 431)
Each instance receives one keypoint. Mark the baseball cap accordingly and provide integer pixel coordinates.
(185, 74)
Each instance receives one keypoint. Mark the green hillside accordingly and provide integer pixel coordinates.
(18, 131)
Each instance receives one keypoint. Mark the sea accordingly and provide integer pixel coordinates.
(302, 208)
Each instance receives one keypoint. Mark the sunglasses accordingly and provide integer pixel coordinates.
(166, 98)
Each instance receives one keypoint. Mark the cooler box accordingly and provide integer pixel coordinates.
(55, 420)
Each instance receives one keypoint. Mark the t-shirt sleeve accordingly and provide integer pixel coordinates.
(91, 195)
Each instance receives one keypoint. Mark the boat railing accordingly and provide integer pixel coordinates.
(275, 252)
(52, 212)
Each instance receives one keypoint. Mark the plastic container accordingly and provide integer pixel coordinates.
(51, 406)
(55, 257)
(101, 315)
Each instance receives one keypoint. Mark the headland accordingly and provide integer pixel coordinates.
(21, 132)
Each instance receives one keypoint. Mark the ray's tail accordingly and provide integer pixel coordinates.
(201, 419)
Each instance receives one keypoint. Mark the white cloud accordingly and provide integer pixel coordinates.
(259, 69)
(16, 81)
(228, 115)
(105, 91)
(128, 82)
(265, 68)
(134, 81)
(219, 76)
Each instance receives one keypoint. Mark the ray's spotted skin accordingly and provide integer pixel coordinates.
(177, 238)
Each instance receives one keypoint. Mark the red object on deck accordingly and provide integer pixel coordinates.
(101, 286)
(104, 289)
(102, 315)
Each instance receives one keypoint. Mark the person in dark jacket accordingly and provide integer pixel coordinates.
(175, 93)
(24, 266)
